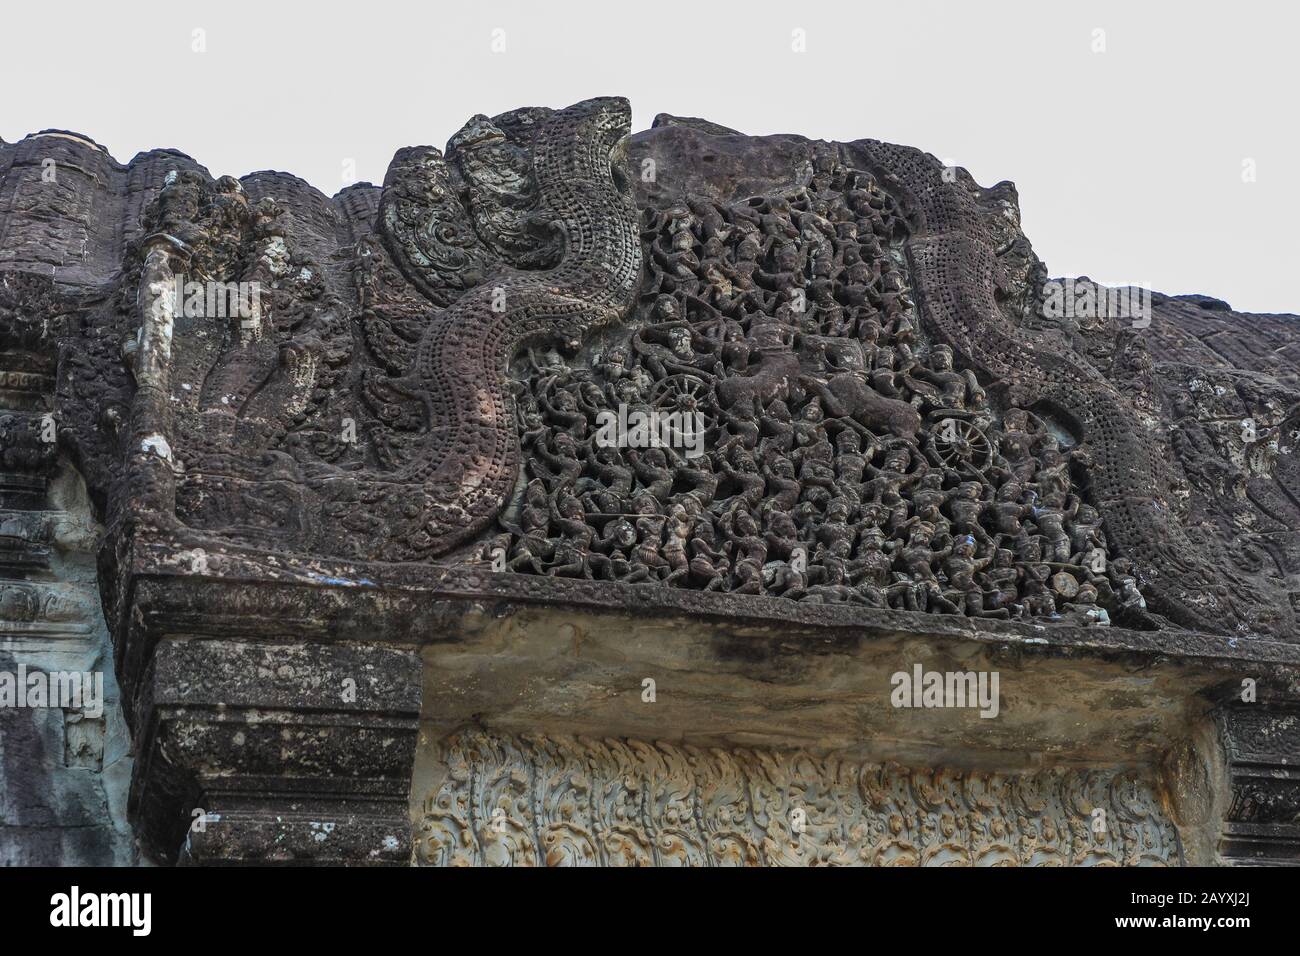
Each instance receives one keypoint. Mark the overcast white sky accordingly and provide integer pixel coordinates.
(1129, 162)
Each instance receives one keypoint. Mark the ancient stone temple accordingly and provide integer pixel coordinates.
(586, 498)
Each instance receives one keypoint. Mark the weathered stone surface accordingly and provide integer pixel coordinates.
(556, 801)
(1263, 749)
(277, 752)
(407, 463)
(64, 764)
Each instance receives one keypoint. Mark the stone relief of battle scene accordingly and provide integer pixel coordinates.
(459, 367)
(844, 458)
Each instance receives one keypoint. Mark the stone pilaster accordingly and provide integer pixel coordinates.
(276, 752)
(1261, 743)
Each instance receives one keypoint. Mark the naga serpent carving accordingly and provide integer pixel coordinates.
(468, 459)
(954, 269)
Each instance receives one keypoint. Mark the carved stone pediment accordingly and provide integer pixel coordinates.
(690, 358)
(760, 389)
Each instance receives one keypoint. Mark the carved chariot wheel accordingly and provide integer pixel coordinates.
(960, 445)
(685, 394)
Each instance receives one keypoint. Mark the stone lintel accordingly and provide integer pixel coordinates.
(239, 672)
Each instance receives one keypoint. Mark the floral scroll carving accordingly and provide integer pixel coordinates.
(567, 801)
